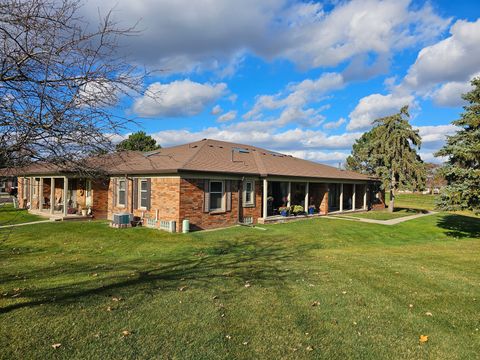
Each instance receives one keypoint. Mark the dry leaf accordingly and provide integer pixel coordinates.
(126, 333)
(95, 274)
(215, 297)
(316, 303)
(245, 343)
(228, 337)
(423, 339)
(116, 298)
(183, 288)
(247, 285)
(344, 292)
(56, 346)
(410, 305)
(309, 348)
(428, 313)
(109, 308)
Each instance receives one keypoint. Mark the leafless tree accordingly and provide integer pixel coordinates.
(60, 78)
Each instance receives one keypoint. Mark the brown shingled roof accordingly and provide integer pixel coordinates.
(217, 157)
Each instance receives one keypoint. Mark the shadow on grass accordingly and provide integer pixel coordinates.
(410, 210)
(460, 226)
(241, 261)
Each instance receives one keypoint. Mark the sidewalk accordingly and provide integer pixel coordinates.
(382, 222)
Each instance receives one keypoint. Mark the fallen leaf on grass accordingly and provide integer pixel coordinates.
(410, 305)
(316, 303)
(109, 308)
(215, 297)
(183, 288)
(428, 313)
(94, 274)
(247, 285)
(126, 333)
(56, 346)
(245, 343)
(116, 298)
(423, 339)
(228, 337)
(309, 348)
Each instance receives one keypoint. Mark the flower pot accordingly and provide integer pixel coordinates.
(284, 213)
(84, 212)
(311, 211)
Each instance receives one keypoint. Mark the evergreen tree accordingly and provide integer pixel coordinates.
(389, 151)
(138, 141)
(462, 169)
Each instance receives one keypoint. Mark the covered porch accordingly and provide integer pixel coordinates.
(285, 199)
(59, 196)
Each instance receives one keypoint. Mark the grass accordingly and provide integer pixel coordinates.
(11, 216)
(413, 201)
(385, 214)
(243, 293)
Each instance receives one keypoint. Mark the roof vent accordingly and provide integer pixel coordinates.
(241, 150)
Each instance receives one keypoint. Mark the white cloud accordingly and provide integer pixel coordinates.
(374, 106)
(334, 124)
(434, 136)
(228, 116)
(185, 36)
(453, 59)
(450, 94)
(217, 109)
(178, 98)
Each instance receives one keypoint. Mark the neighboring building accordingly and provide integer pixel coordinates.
(7, 184)
(211, 183)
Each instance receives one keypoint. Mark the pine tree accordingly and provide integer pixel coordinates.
(462, 169)
(138, 141)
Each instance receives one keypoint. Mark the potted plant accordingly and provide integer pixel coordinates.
(297, 209)
(283, 210)
(311, 209)
(84, 211)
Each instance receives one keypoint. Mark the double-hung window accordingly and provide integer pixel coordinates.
(121, 192)
(143, 194)
(248, 193)
(216, 195)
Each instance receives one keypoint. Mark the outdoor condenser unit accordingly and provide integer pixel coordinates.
(121, 219)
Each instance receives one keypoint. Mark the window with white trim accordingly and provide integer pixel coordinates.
(143, 194)
(248, 193)
(217, 190)
(121, 192)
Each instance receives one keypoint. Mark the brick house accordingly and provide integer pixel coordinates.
(211, 183)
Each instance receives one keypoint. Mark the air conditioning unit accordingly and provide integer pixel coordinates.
(168, 225)
(121, 219)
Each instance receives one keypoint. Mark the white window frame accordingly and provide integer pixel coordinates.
(88, 193)
(222, 208)
(140, 207)
(119, 204)
(252, 193)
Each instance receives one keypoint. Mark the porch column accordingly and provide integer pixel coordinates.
(65, 190)
(365, 197)
(306, 196)
(289, 199)
(31, 193)
(353, 196)
(265, 196)
(341, 197)
(52, 194)
(40, 195)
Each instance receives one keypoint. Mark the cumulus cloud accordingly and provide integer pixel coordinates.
(216, 110)
(374, 106)
(178, 98)
(450, 94)
(453, 59)
(334, 124)
(434, 136)
(228, 116)
(185, 36)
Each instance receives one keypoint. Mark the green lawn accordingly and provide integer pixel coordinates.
(10, 216)
(414, 201)
(385, 214)
(318, 288)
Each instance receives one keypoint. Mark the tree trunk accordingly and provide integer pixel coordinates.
(391, 204)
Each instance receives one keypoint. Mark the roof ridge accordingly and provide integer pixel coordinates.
(205, 141)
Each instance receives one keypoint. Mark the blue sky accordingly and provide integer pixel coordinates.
(300, 77)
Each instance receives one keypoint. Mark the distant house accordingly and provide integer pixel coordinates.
(7, 183)
(210, 183)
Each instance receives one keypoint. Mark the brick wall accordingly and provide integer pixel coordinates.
(319, 197)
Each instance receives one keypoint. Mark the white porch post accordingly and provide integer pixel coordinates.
(306, 196)
(265, 196)
(365, 197)
(31, 193)
(65, 190)
(353, 196)
(52, 194)
(289, 199)
(341, 197)
(40, 195)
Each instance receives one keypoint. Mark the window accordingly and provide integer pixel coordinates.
(121, 192)
(216, 195)
(248, 193)
(143, 194)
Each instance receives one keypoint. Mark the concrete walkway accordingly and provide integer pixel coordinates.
(382, 222)
(23, 224)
